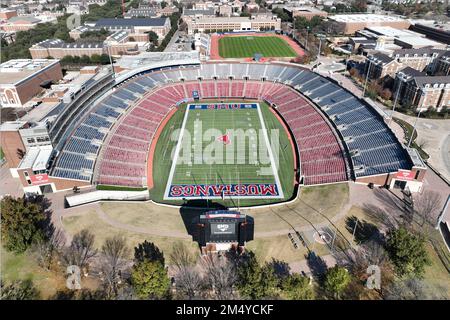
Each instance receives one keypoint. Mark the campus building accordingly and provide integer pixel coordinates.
(117, 44)
(22, 79)
(350, 23)
(24, 23)
(425, 92)
(161, 26)
(305, 12)
(58, 49)
(219, 24)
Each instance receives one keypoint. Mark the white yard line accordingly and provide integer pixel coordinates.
(269, 148)
(177, 151)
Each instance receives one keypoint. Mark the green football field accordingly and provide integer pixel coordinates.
(248, 46)
(244, 158)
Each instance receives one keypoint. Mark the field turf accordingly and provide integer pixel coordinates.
(248, 46)
(226, 173)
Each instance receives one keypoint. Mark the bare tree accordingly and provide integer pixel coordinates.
(427, 205)
(220, 275)
(112, 263)
(188, 281)
(81, 249)
(48, 250)
(181, 257)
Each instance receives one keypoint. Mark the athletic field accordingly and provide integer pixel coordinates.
(248, 46)
(223, 152)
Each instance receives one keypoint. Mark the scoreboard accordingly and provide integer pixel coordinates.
(223, 229)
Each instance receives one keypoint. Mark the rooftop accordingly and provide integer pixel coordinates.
(133, 22)
(423, 80)
(193, 12)
(36, 158)
(17, 70)
(361, 17)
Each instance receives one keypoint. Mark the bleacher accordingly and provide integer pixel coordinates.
(130, 121)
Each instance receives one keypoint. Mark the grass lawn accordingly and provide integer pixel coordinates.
(24, 267)
(314, 205)
(248, 46)
(222, 164)
(146, 215)
(281, 248)
(408, 129)
(102, 230)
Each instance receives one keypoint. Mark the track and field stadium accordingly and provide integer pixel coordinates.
(138, 131)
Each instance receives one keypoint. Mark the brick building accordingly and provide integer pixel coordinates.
(22, 79)
(425, 92)
(423, 59)
(233, 23)
(380, 65)
(58, 49)
(6, 14)
(442, 67)
(350, 23)
(306, 12)
(161, 26)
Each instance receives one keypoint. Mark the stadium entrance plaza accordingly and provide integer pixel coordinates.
(358, 198)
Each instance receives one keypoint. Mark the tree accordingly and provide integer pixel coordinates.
(81, 249)
(20, 153)
(104, 59)
(48, 250)
(255, 281)
(22, 223)
(152, 37)
(187, 279)
(407, 252)
(219, 275)
(297, 287)
(386, 94)
(114, 254)
(148, 251)
(19, 290)
(336, 281)
(281, 14)
(149, 280)
(84, 59)
(427, 205)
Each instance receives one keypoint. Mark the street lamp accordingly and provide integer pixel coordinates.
(307, 35)
(367, 77)
(321, 37)
(402, 77)
(414, 128)
(110, 60)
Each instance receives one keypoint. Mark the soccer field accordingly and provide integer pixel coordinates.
(223, 151)
(247, 46)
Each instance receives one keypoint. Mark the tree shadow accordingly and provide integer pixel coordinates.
(280, 268)
(364, 231)
(381, 217)
(317, 265)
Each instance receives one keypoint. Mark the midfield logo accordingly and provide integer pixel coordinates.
(225, 139)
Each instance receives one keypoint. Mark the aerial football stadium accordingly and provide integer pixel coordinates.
(236, 133)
